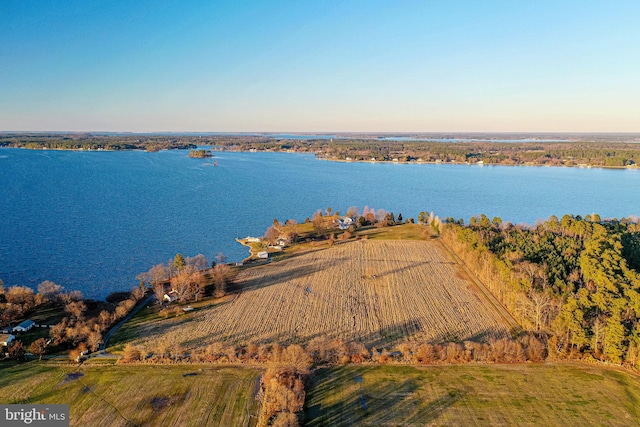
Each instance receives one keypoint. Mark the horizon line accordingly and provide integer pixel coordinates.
(314, 132)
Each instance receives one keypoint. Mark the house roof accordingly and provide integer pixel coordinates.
(171, 295)
(27, 323)
(5, 337)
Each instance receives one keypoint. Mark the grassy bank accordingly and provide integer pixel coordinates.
(496, 395)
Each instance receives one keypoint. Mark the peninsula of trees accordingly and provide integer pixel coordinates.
(82, 141)
(578, 153)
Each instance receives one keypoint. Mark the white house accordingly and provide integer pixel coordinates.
(263, 255)
(5, 339)
(24, 326)
(345, 223)
(171, 296)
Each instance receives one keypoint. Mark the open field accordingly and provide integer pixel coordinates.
(467, 395)
(137, 395)
(398, 232)
(482, 395)
(378, 292)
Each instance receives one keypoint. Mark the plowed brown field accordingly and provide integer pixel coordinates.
(379, 293)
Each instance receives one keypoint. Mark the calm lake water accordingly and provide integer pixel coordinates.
(94, 220)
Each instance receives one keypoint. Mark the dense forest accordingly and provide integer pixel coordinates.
(573, 281)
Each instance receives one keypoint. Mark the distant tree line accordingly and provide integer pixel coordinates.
(610, 153)
(602, 154)
(100, 142)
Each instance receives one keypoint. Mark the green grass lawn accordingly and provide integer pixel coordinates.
(485, 395)
(28, 337)
(482, 395)
(129, 331)
(398, 232)
(137, 395)
(48, 314)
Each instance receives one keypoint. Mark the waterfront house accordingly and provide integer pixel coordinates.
(171, 296)
(24, 326)
(5, 339)
(345, 223)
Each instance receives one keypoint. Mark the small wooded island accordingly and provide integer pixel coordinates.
(200, 154)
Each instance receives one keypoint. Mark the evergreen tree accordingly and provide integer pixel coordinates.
(614, 346)
(178, 262)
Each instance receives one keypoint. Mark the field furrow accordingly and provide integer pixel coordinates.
(376, 292)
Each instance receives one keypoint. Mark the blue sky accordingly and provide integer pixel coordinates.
(319, 66)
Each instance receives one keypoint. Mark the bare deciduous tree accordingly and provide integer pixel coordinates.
(22, 296)
(105, 319)
(295, 356)
(318, 222)
(38, 347)
(76, 309)
(16, 350)
(222, 275)
(353, 212)
(50, 290)
(137, 294)
(131, 353)
(94, 340)
(271, 235)
(188, 284)
(199, 261)
(159, 291)
(540, 307)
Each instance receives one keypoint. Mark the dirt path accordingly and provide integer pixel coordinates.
(118, 325)
(480, 286)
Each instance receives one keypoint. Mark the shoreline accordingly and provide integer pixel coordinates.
(337, 160)
(415, 162)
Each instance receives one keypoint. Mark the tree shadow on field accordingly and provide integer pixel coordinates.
(385, 339)
(306, 251)
(372, 397)
(399, 270)
(391, 336)
(275, 274)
